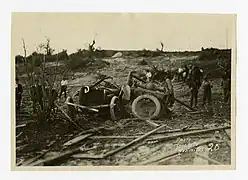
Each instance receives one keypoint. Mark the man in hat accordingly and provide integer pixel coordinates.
(19, 91)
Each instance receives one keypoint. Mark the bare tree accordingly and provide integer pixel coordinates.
(48, 83)
(162, 46)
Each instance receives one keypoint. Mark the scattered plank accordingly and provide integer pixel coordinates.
(76, 140)
(92, 130)
(19, 163)
(29, 161)
(101, 106)
(113, 137)
(228, 133)
(176, 152)
(21, 147)
(166, 159)
(188, 133)
(175, 130)
(80, 106)
(208, 159)
(21, 126)
(133, 142)
(85, 156)
(19, 134)
(51, 160)
(68, 116)
(177, 100)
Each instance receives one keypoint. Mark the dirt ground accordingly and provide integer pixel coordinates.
(32, 141)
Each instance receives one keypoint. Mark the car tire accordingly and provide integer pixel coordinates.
(154, 99)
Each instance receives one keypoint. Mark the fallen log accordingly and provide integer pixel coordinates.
(80, 106)
(68, 117)
(177, 100)
(209, 159)
(76, 140)
(187, 133)
(160, 157)
(133, 142)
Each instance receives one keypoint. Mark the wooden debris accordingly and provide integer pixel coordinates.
(85, 156)
(21, 147)
(19, 163)
(113, 137)
(175, 130)
(51, 160)
(68, 117)
(76, 140)
(166, 159)
(133, 142)
(29, 161)
(208, 159)
(88, 149)
(228, 133)
(177, 100)
(188, 133)
(21, 126)
(101, 106)
(176, 152)
(84, 107)
(92, 130)
(19, 134)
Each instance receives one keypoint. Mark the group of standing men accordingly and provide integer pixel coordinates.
(37, 94)
(195, 78)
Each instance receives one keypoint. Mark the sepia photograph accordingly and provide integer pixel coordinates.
(151, 90)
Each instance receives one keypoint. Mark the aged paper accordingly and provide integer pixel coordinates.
(62, 119)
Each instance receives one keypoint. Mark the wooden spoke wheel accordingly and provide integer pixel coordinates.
(115, 108)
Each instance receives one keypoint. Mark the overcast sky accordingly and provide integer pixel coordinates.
(124, 31)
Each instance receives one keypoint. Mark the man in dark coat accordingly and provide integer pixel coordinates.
(194, 93)
(226, 85)
(207, 92)
(19, 91)
(37, 95)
